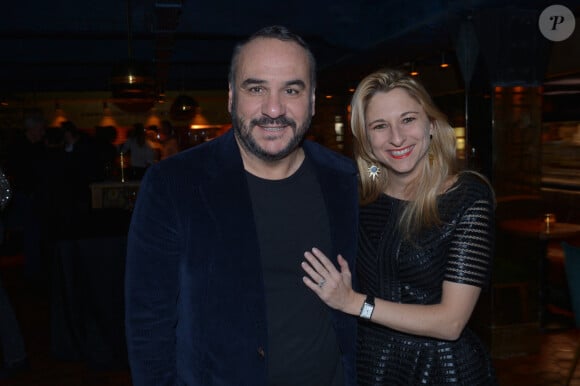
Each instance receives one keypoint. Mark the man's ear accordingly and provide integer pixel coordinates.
(230, 93)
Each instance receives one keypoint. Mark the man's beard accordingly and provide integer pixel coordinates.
(243, 133)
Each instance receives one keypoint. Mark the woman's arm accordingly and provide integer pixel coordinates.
(468, 265)
(445, 320)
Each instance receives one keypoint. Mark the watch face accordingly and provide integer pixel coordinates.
(367, 311)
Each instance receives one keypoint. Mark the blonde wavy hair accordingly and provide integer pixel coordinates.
(421, 210)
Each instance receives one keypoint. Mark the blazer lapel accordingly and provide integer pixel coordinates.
(340, 195)
(227, 198)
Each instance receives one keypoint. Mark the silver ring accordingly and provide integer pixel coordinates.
(321, 283)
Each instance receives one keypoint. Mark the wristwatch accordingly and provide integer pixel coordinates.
(368, 307)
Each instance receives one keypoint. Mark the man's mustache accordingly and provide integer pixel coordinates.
(280, 121)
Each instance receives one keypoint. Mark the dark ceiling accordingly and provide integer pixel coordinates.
(72, 45)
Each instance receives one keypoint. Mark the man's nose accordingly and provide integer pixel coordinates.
(273, 106)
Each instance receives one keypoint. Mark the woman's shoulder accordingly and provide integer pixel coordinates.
(474, 186)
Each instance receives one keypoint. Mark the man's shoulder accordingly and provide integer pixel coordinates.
(198, 161)
(328, 157)
(205, 150)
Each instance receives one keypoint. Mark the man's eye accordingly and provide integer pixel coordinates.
(256, 89)
(292, 91)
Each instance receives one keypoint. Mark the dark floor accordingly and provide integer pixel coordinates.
(32, 304)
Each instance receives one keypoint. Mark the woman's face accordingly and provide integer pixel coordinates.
(399, 132)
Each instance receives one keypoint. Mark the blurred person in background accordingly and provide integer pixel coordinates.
(23, 166)
(169, 142)
(141, 153)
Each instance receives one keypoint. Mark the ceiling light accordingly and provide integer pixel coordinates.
(59, 115)
(199, 121)
(413, 71)
(132, 84)
(107, 119)
(444, 63)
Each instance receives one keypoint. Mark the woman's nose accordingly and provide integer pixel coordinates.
(397, 136)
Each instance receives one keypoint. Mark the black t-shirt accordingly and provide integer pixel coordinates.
(291, 218)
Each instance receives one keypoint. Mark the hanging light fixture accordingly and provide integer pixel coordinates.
(107, 119)
(59, 115)
(183, 108)
(200, 129)
(199, 121)
(413, 71)
(444, 63)
(132, 85)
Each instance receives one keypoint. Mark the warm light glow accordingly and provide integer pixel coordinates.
(59, 117)
(328, 96)
(413, 71)
(459, 138)
(107, 119)
(459, 132)
(199, 121)
(153, 119)
(444, 63)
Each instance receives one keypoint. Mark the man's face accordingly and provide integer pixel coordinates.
(272, 100)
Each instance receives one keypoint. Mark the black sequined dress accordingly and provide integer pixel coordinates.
(460, 250)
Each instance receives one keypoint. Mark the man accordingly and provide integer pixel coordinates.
(214, 291)
(24, 164)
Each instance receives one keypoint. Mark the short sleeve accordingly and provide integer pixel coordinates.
(471, 250)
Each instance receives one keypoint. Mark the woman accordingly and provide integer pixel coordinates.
(425, 243)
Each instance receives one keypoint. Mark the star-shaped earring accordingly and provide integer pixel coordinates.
(374, 171)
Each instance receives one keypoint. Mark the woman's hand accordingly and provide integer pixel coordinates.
(332, 286)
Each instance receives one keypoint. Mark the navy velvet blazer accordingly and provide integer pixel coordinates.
(195, 305)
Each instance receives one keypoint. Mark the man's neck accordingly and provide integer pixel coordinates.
(272, 170)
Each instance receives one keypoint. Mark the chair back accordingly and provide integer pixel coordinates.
(572, 267)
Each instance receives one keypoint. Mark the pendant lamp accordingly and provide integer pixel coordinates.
(183, 108)
(132, 83)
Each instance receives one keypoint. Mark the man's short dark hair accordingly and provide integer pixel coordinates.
(274, 32)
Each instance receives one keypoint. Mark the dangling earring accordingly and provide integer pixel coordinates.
(374, 171)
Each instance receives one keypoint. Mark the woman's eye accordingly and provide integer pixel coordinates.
(379, 127)
(408, 119)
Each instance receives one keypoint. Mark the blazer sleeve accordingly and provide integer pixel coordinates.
(152, 282)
